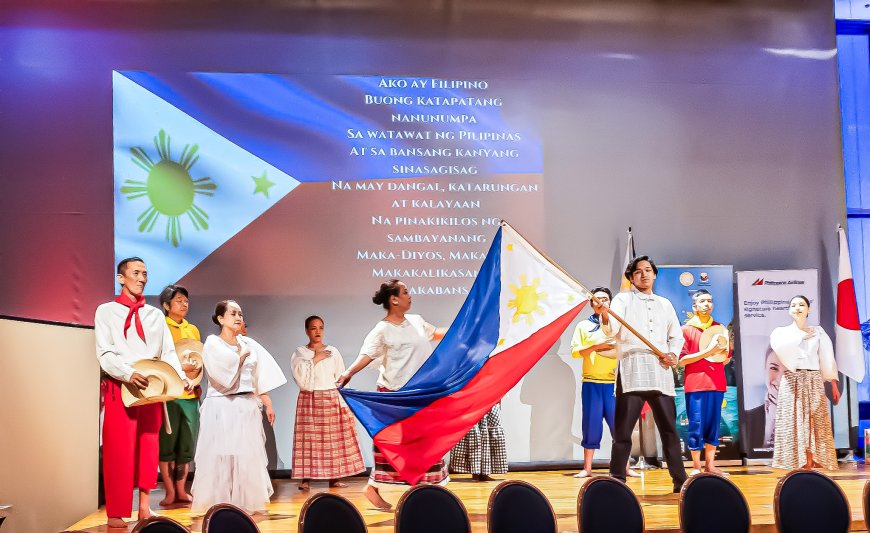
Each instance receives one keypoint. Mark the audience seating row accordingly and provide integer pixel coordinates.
(804, 502)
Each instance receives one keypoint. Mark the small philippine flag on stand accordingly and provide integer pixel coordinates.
(849, 344)
(516, 310)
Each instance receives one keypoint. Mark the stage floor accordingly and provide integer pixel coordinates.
(654, 490)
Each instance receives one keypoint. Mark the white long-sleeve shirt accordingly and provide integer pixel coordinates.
(320, 376)
(653, 317)
(117, 352)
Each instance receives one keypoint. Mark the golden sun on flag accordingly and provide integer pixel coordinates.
(526, 298)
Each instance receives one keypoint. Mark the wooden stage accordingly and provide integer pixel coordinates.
(654, 491)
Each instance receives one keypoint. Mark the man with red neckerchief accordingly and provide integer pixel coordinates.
(127, 330)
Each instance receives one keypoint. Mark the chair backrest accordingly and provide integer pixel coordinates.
(431, 509)
(605, 504)
(809, 501)
(227, 518)
(159, 524)
(710, 503)
(866, 500)
(519, 507)
(325, 512)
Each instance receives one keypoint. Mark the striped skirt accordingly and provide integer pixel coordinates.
(482, 450)
(384, 473)
(324, 437)
(803, 422)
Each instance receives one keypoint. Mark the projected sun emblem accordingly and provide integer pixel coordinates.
(526, 298)
(170, 188)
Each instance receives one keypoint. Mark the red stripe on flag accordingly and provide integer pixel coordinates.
(419, 441)
(847, 307)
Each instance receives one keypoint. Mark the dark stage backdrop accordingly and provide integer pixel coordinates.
(711, 129)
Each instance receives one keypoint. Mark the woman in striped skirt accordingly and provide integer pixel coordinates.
(401, 342)
(324, 436)
(804, 437)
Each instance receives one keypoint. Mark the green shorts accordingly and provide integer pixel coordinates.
(179, 446)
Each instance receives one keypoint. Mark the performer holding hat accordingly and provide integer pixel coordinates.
(704, 355)
(127, 332)
(177, 448)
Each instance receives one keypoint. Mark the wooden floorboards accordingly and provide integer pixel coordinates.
(654, 491)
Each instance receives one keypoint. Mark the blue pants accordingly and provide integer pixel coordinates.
(704, 410)
(598, 404)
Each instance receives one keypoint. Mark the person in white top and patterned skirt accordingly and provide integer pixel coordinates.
(231, 461)
(804, 437)
(401, 342)
(324, 435)
(128, 330)
(641, 375)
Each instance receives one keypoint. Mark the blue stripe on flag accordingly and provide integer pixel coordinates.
(457, 359)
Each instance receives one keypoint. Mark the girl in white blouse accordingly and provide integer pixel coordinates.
(231, 462)
(324, 435)
(804, 437)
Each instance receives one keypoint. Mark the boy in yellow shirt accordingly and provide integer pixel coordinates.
(599, 375)
(177, 449)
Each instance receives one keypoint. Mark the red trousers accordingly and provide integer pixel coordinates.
(131, 446)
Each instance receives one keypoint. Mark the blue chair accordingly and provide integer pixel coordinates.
(159, 524)
(325, 512)
(431, 509)
(605, 505)
(808, 502)
(711, 503)
(519, 507)
(227, 518)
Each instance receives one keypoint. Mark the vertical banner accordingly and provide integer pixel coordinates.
(762, 305)
(678, 283)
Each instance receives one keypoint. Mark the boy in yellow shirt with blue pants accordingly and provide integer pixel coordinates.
(597, 398)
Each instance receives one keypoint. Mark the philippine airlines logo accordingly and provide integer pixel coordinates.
(762, 281)
(703, 278)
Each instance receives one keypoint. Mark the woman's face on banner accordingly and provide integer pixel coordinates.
(774, 375)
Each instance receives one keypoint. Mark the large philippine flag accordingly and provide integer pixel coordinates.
(850, 347)
(516, 310)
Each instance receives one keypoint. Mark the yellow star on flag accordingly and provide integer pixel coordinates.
(262, 184)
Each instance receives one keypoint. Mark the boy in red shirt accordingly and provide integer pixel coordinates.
(704, 384)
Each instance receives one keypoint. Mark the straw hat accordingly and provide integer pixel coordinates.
(190, 356)
(723, 341)
(164, 384)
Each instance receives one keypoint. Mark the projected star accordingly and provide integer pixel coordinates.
(169, 187)
(262, 184)
(526, 300)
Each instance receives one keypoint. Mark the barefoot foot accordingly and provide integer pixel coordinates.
(167, 501)
(115, 523)
(183, 497)
(374, 496)
(714, 470)
(146, 513)
(336, 484)
(304, 486)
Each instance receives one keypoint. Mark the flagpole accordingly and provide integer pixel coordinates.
(589, 294)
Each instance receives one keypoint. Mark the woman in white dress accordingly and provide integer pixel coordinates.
(324, 435)
(803, 436)
(401, 342)
(231, 462)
